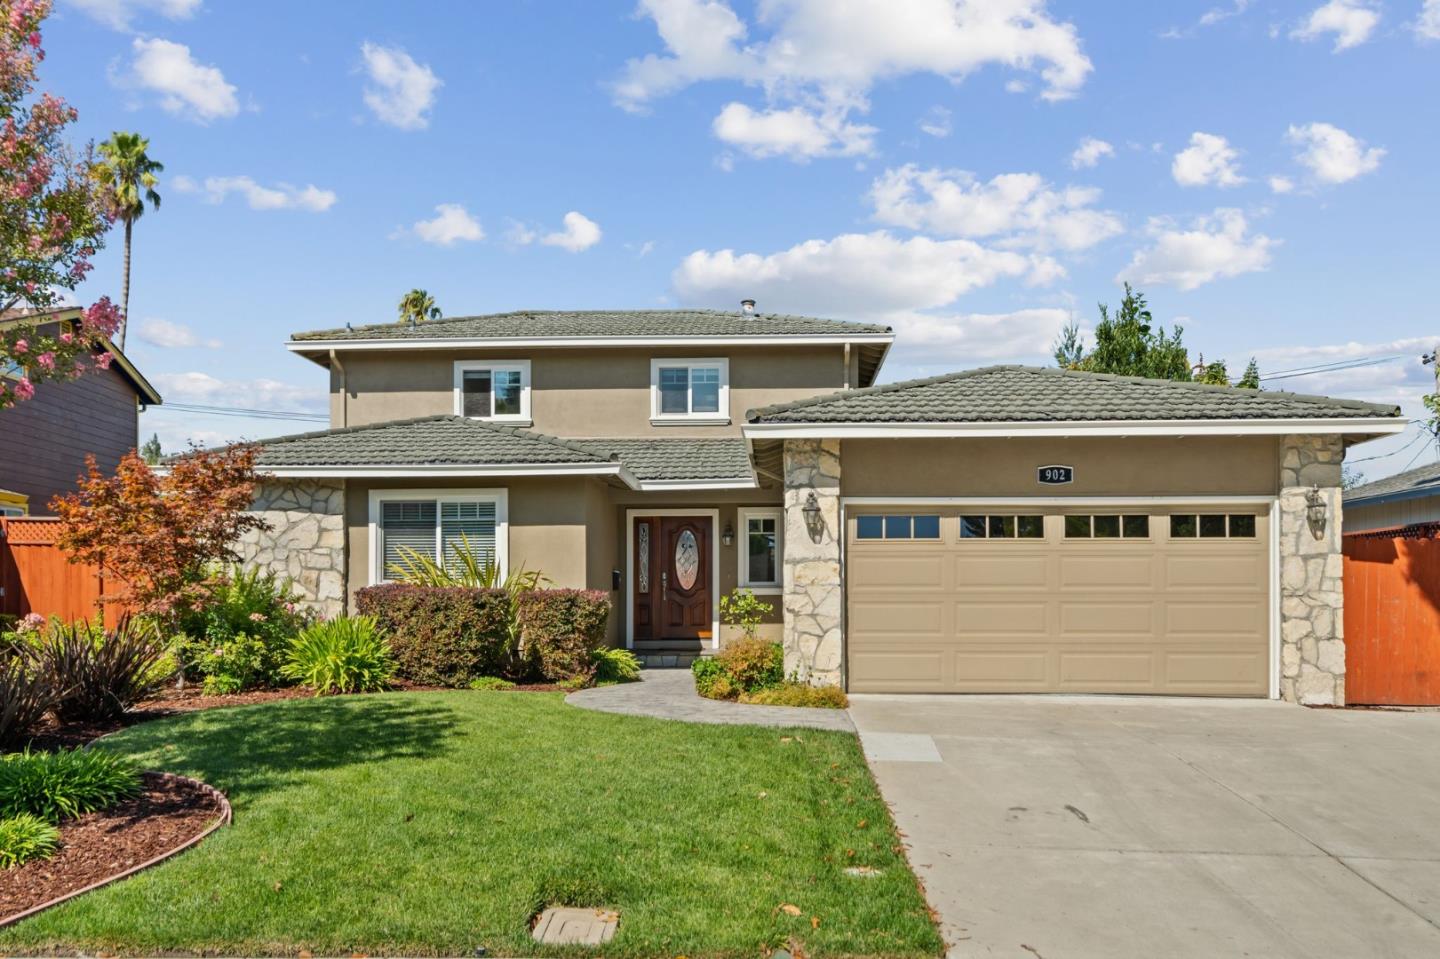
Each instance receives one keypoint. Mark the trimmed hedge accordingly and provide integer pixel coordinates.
(562, 628)
(442, 636)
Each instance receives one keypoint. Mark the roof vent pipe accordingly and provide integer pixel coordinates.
(747, 306)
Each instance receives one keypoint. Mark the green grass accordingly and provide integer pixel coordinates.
(435, 823)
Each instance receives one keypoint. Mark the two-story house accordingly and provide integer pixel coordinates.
(1002, 529)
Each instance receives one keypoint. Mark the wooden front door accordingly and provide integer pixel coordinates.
(672, 577)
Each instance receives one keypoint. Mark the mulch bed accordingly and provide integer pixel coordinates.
(169, 812)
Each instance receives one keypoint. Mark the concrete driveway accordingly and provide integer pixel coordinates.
(1100, 826)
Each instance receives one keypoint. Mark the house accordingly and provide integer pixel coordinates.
(1401, 500)
(46, 438)
(1004, 529)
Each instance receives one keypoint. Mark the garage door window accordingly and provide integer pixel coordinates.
(1212, 526)
(1107, 526)
(898, 526)
(1002, 527)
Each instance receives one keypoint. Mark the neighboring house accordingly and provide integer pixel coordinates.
(44, 440)
(1007, 529)
(1400, 500)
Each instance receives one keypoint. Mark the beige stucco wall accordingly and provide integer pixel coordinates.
(1141, 466)
(579, 392)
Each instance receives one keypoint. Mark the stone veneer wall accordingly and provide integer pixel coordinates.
(813, 601)
(1312, 628)
(306, 541)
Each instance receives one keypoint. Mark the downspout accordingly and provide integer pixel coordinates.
(847, 364)
(344, 389)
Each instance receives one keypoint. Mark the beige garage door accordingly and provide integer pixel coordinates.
(1106, 600)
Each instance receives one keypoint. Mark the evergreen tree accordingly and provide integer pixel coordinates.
(1251, 379)
(1127, 343)
(150, 452)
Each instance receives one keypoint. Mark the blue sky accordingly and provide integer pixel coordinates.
(1263, 171)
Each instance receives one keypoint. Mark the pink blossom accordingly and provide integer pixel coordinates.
(102, 317)
(103, 361)
(46, 360)
(258, 617)
(67, 337)
(24, 389)
(22, 347)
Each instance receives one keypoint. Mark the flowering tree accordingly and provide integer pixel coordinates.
(53, 219)
(162, 538)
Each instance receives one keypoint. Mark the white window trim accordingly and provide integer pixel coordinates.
(720, 418)
(523, 418)
(500, 497)
(743, 550)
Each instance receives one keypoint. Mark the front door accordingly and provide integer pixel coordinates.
(672, 577)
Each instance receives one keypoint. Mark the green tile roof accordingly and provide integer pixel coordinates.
(1422, 481)
(427, 441)
(679, 459)
(526, 324)
(1028, 394)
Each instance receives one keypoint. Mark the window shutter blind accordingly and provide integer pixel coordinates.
(408, 524)
(467, 523)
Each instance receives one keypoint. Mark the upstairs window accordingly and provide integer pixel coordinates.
(493, 390)
(690, 391)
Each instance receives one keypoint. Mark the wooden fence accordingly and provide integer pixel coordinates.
(36, 576)
(1392, 616)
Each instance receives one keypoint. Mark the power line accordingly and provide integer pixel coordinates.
(1331, 367)
(291, 415)
(1396, 452)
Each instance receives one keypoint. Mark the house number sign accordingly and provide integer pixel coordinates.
(1055, 475)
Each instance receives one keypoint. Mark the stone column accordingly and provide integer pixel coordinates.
(1312, 603)
(306, 541)
(812, 601)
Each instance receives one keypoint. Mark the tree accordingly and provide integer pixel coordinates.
(150, 452)
(1214, 374)
(1350, 477)
(417, 306)
(1128, 343)
(161, 538)
(1069, 348)
(1251, 378)
(53, 220)
(127, 174)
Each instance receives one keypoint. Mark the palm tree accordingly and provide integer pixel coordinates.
(128, 173)
(418, 306)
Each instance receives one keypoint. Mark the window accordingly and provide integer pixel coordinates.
(438, 524)
(690, 391)
(1107, 526)
(1002, 527)
(1212, 526)
(898, 526)
(762, 533)
(493, 390)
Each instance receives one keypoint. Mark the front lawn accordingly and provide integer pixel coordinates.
(437, 823)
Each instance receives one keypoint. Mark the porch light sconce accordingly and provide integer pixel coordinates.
(1315, 511)
(728, 537)
(813, 523)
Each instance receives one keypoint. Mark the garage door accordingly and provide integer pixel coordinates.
(1171, 602)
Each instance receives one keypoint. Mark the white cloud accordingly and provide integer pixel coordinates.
(1209, 159)
(1332, 155)
(1090, 152)
(186, 87)
(580, 233)
(119, 14)
(925, 341)
(824, 57)
(1351, 21)
(1214, 246)
(401, 91)
(451, 224)
(281, 196)
(936, 122)
(169, 335)
(197, 387)
(795, 133)
(1427, 25)
(1021, 209)
(1281, 184)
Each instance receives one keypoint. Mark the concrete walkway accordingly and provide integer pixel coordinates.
(670, 694)
(1071, 827)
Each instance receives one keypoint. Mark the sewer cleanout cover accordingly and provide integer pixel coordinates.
(571, 926)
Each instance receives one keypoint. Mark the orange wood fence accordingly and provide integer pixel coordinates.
(36, 576)
(1392, 616)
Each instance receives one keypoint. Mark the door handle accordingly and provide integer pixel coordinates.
(664, 586)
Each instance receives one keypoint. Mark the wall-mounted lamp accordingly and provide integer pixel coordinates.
(728, 537)
(1315, 511)
(811, 510)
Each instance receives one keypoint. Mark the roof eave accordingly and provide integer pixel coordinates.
(1395, 496)
(1366, 427)
(319, 347)
(433, 470)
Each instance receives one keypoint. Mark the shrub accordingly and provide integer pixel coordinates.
(101, 674)
(753, 664)
(742, 609)
(348, 654)
(25, 837)
(27, 692)
(443, 636)
(615, 665)
(490, 683)
(237, 638)
(64, 784)
(562, 628)
(707, 670)
(236, 664)
(798, 694)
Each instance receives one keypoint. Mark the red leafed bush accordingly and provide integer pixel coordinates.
(561, 629)
(443, 635)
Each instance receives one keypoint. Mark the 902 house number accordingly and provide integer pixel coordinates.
(1055, 475)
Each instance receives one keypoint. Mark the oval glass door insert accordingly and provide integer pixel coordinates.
(687, 560)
